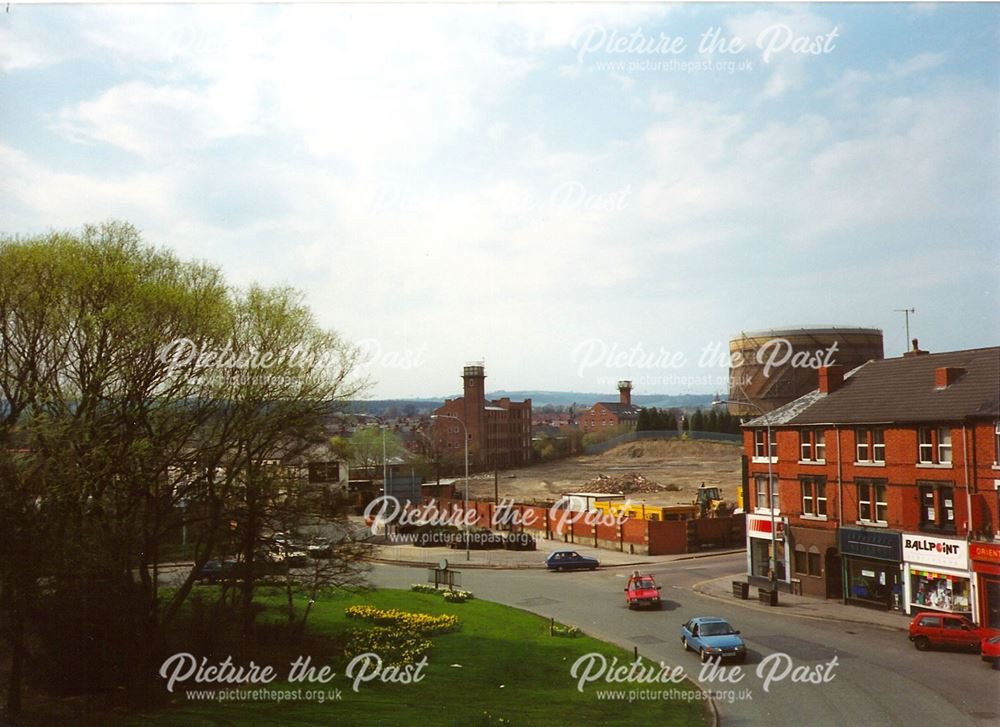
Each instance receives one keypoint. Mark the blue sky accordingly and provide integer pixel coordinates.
(459, 182)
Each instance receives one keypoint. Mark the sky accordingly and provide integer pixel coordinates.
(574, 194)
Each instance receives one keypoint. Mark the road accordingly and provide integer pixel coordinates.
(879, 678)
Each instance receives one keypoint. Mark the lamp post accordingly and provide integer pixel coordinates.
(385, 480)
(468, 554)
(772, 576)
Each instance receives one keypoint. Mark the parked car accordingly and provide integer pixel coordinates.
(713, 638)
(215, 571)
(560, 560)
(642, 592)
(989, 650)
(320, 547)
(935, 628)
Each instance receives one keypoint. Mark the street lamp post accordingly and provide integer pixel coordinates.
(772, 576)
(468, 554)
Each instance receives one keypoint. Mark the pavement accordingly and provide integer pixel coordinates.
(804, 606)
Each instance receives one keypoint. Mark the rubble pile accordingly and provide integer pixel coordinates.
(628, 483)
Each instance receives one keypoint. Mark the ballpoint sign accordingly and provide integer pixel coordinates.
(941, 552)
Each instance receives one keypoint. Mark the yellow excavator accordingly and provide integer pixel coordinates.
(710, 502)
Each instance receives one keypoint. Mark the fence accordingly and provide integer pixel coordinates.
(633, 535)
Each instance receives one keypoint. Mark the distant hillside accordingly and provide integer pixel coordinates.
(416, 407)
(566, 398)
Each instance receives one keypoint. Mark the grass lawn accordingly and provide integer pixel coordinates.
(502, 662)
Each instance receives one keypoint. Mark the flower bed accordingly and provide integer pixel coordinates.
(394, 646)
(420, 623)
(456, 595)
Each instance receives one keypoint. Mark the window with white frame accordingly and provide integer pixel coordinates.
(760, 447)
(862, 446)
(925, 448)
(944, 445)
(813, 496)
(996, 437)
(870, 445)
(873, 504)
(934, 445)
(812, 445)
(762, 490)
(878, 445)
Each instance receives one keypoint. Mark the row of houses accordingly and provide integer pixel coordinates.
(882, 486)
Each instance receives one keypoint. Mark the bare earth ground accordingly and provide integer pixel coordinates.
(684, 464)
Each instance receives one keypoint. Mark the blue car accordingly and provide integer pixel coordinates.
(713, 638)
(569, 560)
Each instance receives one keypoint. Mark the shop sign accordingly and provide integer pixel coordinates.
(759, 526)
(877, 544)
(985, 552)
(941, 552)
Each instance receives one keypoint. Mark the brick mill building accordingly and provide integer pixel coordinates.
(605, 414)
(499, 430)
(886, 484)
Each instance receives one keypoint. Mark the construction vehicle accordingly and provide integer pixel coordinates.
(710, 502)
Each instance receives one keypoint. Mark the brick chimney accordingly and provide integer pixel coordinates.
(945, 376)
(831, 378)
(915, 351)
(625, 393)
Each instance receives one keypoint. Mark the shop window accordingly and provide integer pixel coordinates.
(871, 581)
(937, 507)
(873, 504)
(814, 496)
(940, 592)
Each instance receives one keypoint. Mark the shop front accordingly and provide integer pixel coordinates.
(872, 559)
(937, 574)
(985, 559)
(759, 542)
(814, 556)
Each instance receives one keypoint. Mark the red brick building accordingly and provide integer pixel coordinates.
(885, 483)
(605, 414)
(499, 431)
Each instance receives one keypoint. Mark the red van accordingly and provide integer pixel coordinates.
(933, 628)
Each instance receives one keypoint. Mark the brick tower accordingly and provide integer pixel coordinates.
(474, 393)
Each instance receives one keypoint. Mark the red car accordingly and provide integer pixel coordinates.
(990, 650)
(934, 628)
(642, 591)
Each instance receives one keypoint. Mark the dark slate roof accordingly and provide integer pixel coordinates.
(902, 390)
(620, 409)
